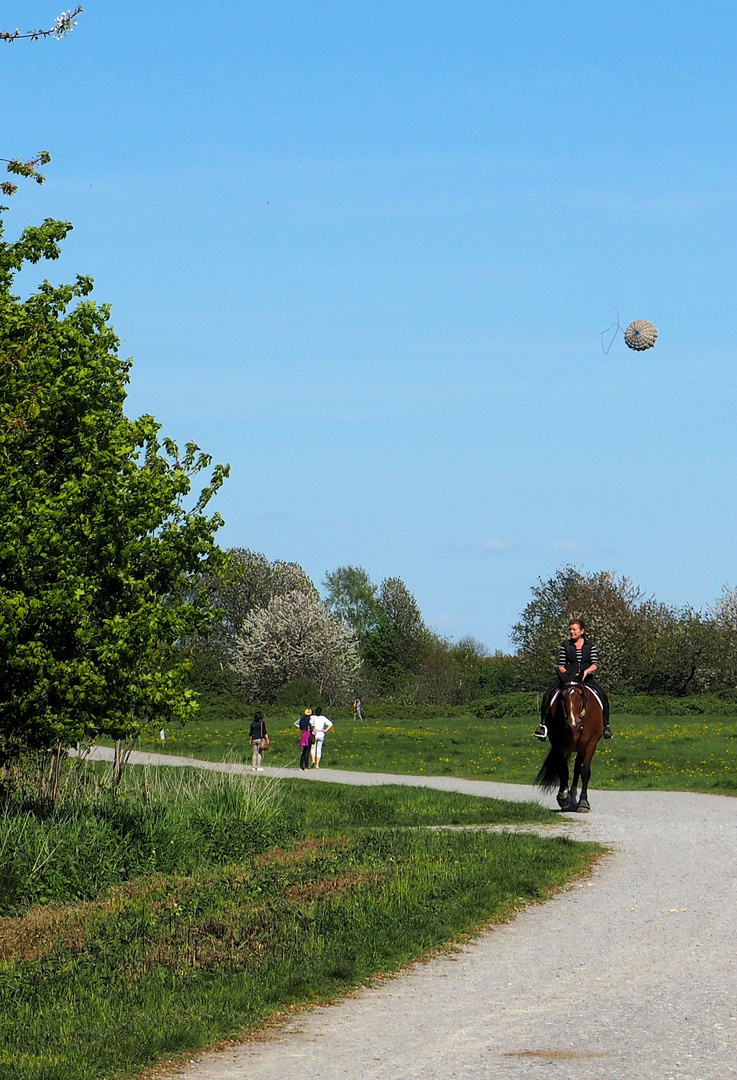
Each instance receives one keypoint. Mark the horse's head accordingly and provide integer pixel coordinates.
(574, 698)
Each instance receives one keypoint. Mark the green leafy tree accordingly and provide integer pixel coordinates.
(613, 608)
(398, 644)
(381, 651)
(352, 596)
(403, 611)
(104, 552)
(644, 645)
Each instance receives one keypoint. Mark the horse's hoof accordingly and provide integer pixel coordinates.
(583, 808)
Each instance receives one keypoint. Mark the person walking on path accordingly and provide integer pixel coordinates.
(306, 736)
(357, 709)
(321, 726)
(259, 739)
(578, 659)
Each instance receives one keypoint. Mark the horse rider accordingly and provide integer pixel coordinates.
(578, 659)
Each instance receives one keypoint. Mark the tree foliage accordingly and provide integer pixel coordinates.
(644, 645)
(295, 637)
(249, 582)
(352, 596)
(612, 607)
(103, 549)
(399, 642)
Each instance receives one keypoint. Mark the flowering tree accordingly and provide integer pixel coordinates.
(63, 25)
(295, 637)
(724, 610)
(249, 581)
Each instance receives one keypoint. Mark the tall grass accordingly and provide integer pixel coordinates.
(167, 821)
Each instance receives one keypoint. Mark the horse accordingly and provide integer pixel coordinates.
(575, 725)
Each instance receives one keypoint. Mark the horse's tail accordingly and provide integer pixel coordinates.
(549, 776)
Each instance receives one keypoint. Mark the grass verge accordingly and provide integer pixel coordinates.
(174, 965)
(171, 962)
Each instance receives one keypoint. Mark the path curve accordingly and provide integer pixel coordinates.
(645, 989)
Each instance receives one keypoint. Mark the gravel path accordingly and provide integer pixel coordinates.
(629, 975)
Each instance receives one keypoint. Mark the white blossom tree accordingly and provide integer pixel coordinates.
(249, 583)
(724, 611)
(295, 637)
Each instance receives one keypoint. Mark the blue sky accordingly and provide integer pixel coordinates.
(364, 253)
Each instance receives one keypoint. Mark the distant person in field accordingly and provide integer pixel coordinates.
(259, 739)
(357, 709)
(321, 726)
(306, 736)
(578, 659)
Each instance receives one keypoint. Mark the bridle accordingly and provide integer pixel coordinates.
(569, 688)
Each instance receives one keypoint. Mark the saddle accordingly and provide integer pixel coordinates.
(589, 690)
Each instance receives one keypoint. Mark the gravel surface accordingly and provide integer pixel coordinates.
(630, 974)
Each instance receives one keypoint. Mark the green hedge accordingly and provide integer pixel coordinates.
(506, 705)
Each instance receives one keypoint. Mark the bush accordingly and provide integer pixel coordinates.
(502, 705)
(298, 694)
(207, 674)
(657, 705)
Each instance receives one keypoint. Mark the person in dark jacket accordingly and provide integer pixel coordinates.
(305, 738)
(258, 739)
(578, 659)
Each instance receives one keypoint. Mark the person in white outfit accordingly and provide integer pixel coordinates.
(321, 726)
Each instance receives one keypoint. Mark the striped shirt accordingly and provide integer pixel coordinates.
(563, 659)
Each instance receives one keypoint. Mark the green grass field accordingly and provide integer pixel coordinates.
(172, 961)
(676, 753)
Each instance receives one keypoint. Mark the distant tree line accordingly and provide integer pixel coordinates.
(279, 640)
(646, 646)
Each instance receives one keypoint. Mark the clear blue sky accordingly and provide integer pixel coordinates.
(364, 251)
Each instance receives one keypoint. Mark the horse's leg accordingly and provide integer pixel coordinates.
(564, 795)
(578, 764)
(583, 803)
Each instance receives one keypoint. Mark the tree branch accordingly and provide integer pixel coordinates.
(63, 25)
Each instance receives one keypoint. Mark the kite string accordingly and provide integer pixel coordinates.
(617, 326)
(614, 335)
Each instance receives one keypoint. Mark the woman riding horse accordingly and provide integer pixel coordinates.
(574, 715)
(576, 723)
(579, 658)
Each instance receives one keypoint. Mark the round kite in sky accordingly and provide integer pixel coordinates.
(640, 335)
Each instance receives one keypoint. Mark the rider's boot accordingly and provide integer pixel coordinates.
(541, 732)
(607, 732)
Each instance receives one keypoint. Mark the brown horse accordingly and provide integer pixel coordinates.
(575, 725)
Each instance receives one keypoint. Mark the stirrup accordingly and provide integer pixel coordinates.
(541, 732)
(607, 733)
